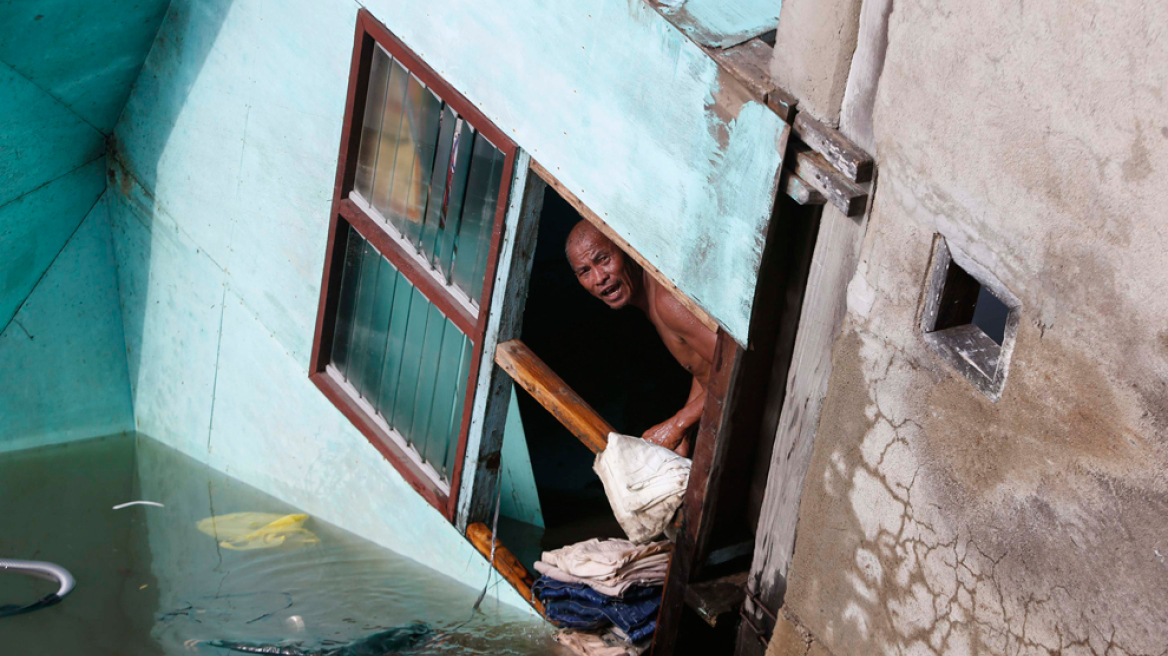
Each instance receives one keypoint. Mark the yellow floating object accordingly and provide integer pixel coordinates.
(255, 530)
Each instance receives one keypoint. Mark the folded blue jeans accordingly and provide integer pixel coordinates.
(577, 606)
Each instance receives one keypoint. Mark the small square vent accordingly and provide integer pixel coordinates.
(970, 319)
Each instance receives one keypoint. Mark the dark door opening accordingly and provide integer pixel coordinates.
(614, 359)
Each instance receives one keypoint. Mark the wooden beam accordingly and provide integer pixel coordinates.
(822, 176)
(710, 448)
(506, 564)
(837, 149)
(837, 250)
(713, 599)
(799, 191)
(553, 393)
(595, 220)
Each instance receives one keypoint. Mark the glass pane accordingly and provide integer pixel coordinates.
(453, 196)
(427, 376)
(391, 127)
(371, 128)
(395, 346)
(478, 213)
(379, 330)
(365, 342)
(423, 113)
(406, 156)
(407, 380)
(454, 425)
(342, 331)
(483, 250)
(432, 225)
(445, 387)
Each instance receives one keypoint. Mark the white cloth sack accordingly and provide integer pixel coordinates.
(645, 484)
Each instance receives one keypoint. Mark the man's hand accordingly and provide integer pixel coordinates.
(669, 434)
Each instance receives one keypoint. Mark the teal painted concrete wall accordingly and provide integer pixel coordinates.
(519, 498)
(222, 175)
(64, 350)
(66, 68)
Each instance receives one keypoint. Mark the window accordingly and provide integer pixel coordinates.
(417, 217)
(970, 319)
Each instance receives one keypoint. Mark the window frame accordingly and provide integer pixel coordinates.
(371, 33)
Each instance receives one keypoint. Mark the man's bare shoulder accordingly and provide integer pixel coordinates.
(679, 320)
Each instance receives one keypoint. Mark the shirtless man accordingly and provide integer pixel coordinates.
(608, 274)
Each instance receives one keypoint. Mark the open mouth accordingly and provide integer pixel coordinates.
(608, 293)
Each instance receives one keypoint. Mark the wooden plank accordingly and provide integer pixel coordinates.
(822, 176)
(833, 264)
(553, 393)
(799, 191)
(591, 216)
(709, 450)
(750, 63)
(505, 563)
(488, 413)
(837, 149)
(713, 599)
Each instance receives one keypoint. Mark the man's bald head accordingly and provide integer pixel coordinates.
(601, 267)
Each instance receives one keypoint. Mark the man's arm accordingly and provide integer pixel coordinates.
(675, 433)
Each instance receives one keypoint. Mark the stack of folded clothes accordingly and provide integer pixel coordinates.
(603, 585)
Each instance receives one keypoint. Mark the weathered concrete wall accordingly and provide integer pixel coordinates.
(1034, 137)
(813, 53)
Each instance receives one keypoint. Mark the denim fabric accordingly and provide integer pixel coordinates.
(577, 606)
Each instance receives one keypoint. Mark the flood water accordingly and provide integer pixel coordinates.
(150, 582)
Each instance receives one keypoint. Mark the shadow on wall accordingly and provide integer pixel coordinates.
(159, 98)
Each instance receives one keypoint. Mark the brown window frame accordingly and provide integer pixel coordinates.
(371, 33)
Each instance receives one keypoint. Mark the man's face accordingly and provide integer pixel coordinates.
(602, 268)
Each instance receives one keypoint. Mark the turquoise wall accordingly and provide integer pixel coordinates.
(66, 68)
(64, 349)
(222, 175)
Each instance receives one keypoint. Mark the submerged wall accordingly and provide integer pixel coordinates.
(1034, 137)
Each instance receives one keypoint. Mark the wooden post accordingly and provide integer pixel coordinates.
(489, 411)
(506, 564)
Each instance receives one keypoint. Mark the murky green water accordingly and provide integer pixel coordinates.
(148, 582)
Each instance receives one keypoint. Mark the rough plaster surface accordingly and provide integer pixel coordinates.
(1034, 137)
(813, 53)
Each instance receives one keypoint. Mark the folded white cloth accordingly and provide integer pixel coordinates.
(603, 560)
(650, 570)
(645, 484)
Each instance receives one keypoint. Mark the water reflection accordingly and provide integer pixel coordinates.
(149, 582)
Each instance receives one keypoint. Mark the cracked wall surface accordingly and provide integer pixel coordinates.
(1033, 136)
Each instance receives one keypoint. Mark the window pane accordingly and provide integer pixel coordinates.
(342, 333)
(399, 351)
(395, 346)
(453, 194)
(445, 387)
(407, 380)
(427, 376)
(432, 225)
(478, 213)
(423, 114)
(454, 425)
(367, 344)
(391, 127)
(371, 129)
